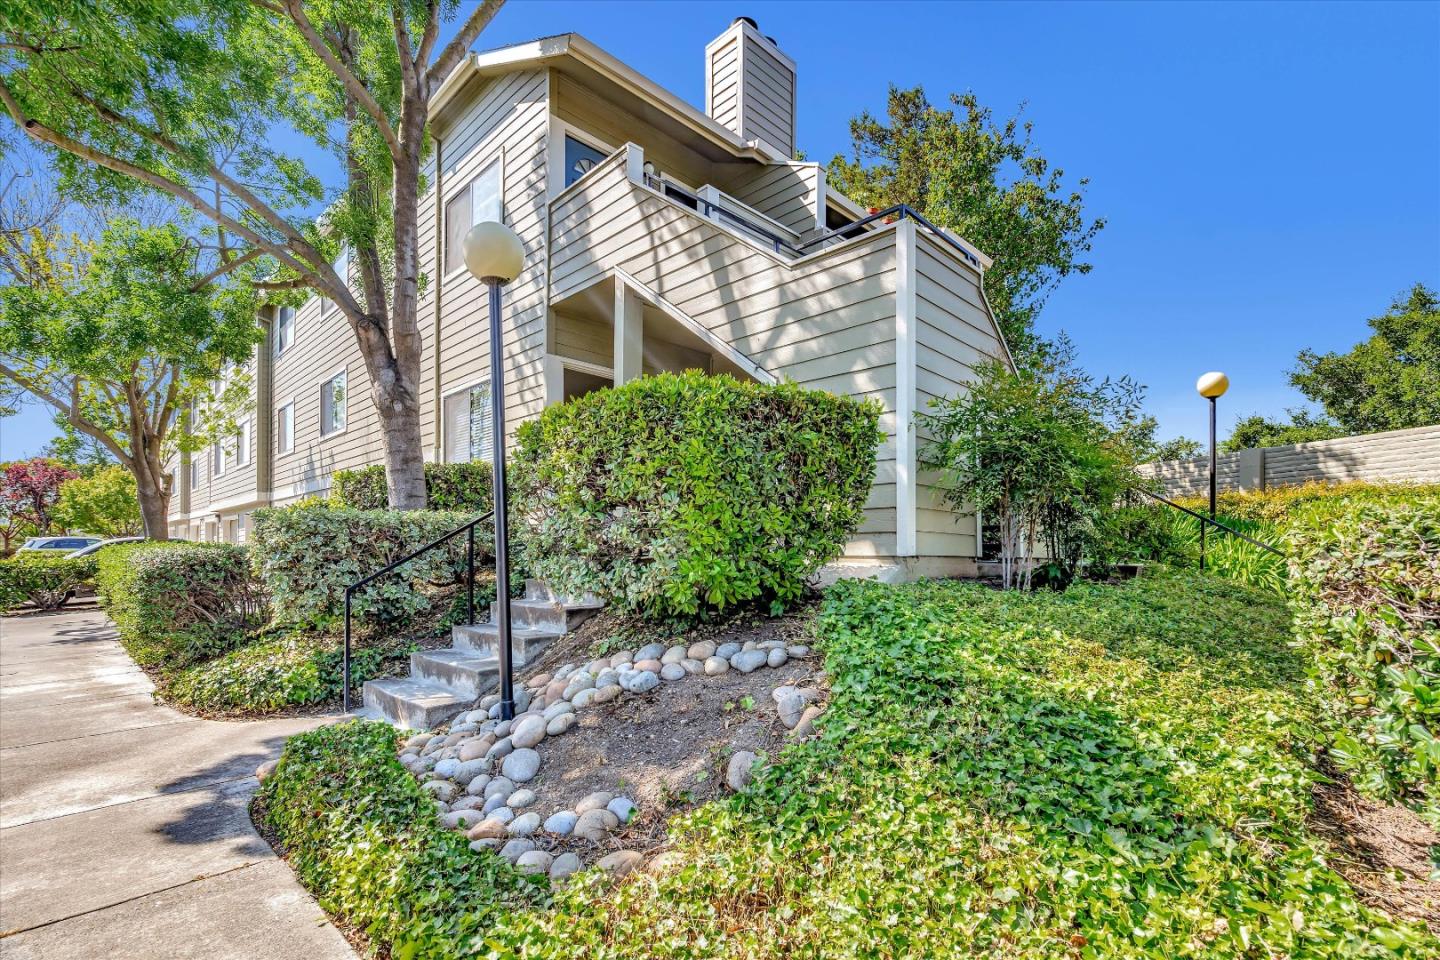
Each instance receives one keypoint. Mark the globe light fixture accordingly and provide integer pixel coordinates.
(495, 256)
(1212, 387)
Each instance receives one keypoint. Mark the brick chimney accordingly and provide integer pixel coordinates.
(750, 86)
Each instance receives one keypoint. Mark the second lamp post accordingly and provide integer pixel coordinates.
(495, 256)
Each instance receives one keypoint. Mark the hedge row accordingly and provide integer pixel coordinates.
(306, 555)
(675, 494)
(270, 674)
(176, 603)
(46, 579)
(448, 486)
(1365, 594)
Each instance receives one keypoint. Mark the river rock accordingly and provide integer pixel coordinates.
(476, 749)
(446, 768)
(651, 651)
(521, 798)
(534, 861)
(673, 672)
(798, 650)
(674, 655)
(777, 657)
(461, 819)
(727, 650)
(529, 732)
(262, 772)
(595, 824)
(565, 865)
(594, 801)
(478, 785)
(538, 682)
(622, 808)
(499, 750)
(499, 787)
(524, 825)
(485, 843)
(555, 709)
(516, 848)
(619, 863)
(561, 823)
(418, 741)
(468, 770)
(487, 828)
(650, 664)
(624, 656)
(714, 666)
(738, 774)
(748, 661)
(560, 724)
(607, 693)
(442, 790)
(693, 667)
(791, 708)
(701, 650)
(468, 802)
(521, 766)
(491, 804)
(643, 681)
(806, 726)
(584, 698)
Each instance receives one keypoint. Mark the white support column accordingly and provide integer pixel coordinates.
(629, 334)
(906, 485)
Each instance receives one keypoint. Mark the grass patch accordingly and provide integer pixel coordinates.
(1112, 771)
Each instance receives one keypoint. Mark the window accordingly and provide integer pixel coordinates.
(242, 444)
(284, 329)
(285, 428)
(218, 456)
(477, 202)
(332, 405)
(342, 267)
(467, 425)
(580, 159)
(194, 471)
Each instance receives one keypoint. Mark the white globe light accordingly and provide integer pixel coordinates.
(493, 250)
(1212, 384)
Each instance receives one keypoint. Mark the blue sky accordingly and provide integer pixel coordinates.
(1270, 172)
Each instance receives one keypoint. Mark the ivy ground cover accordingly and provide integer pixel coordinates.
(1115, 771)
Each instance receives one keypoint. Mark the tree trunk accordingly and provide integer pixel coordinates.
(154, 511)
(397, 400)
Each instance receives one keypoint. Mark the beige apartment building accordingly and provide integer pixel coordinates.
(658, 237)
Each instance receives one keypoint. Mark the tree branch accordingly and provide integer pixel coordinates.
(431, 34)
(70, 410)
(456, 49)
(225, 267)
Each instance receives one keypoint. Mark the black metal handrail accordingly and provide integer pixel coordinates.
(1204, 519)
(900, 211)
(469, 530)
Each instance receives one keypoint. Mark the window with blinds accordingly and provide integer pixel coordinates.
(284, 329)
(285, 428)
(332, 405)
(477, 202)
(467, 425)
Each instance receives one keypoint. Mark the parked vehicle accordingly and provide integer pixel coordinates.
(67, 543)
(102, 545)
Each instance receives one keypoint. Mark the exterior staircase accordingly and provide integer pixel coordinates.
(443, 683)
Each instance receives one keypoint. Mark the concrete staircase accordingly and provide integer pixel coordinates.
(442, 683)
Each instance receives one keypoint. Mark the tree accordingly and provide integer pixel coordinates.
(184, 97)
(1178, 448)
(120, 337)
(1390, 381)
(1044, 451)
(985, 181)
(103, 503)
(1256, 431)
(29, 490)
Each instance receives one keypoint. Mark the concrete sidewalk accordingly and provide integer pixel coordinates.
(124, 831)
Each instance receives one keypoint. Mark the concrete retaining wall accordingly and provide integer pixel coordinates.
(1412, 455)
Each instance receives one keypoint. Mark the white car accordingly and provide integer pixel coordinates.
(67, 544)
(99, 545)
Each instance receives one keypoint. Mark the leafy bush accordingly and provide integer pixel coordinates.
(1284, 505)
(675, 494)
(176, 603)
(363, 837)
(46, 579)
(1112, 771)
(271, 674)
(306, 555)
(1365, 592)
(448, 486)
(104, 503)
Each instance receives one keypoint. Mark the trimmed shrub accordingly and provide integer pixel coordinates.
(47, 579)
(448, 486)
(176, 603)
(1282, 505)
(306, 555)
(677, 494)
(1365, 593)
(271, 674)
(363, 836)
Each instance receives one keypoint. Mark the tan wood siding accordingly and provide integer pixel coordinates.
(786, 192)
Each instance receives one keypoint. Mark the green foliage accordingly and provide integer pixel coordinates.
(1119, 772)
(306, 555)
(1390, 381)
(448, 486)
(1044, 451)
(678, 494)
(177, 603)
(1284, 506)
(46, 579)
(1256, 431)
(1179, 448)
(103, 503)
(271, 674)
(1365, 592)
(986, 181)
(364, 838)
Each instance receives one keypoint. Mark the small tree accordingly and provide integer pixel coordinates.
(103, 503)
(30, 489)
(1044, 451)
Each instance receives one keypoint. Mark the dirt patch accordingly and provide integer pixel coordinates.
(1384, 851)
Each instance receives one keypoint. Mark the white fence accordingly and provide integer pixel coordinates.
(1412, 455)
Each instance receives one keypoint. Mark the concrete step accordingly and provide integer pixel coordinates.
(466, 672)
(414, 704)
(540, 590)
(482, 639)
(554, 615)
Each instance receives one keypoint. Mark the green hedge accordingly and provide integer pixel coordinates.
(448, 486)
(271, 674)
(1365, 593)
(363, 836)
(306, 555)
(176, 603)
(676, 494)
(44, 578)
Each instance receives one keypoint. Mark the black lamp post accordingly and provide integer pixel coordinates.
(495, 255)
(1212, 387)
